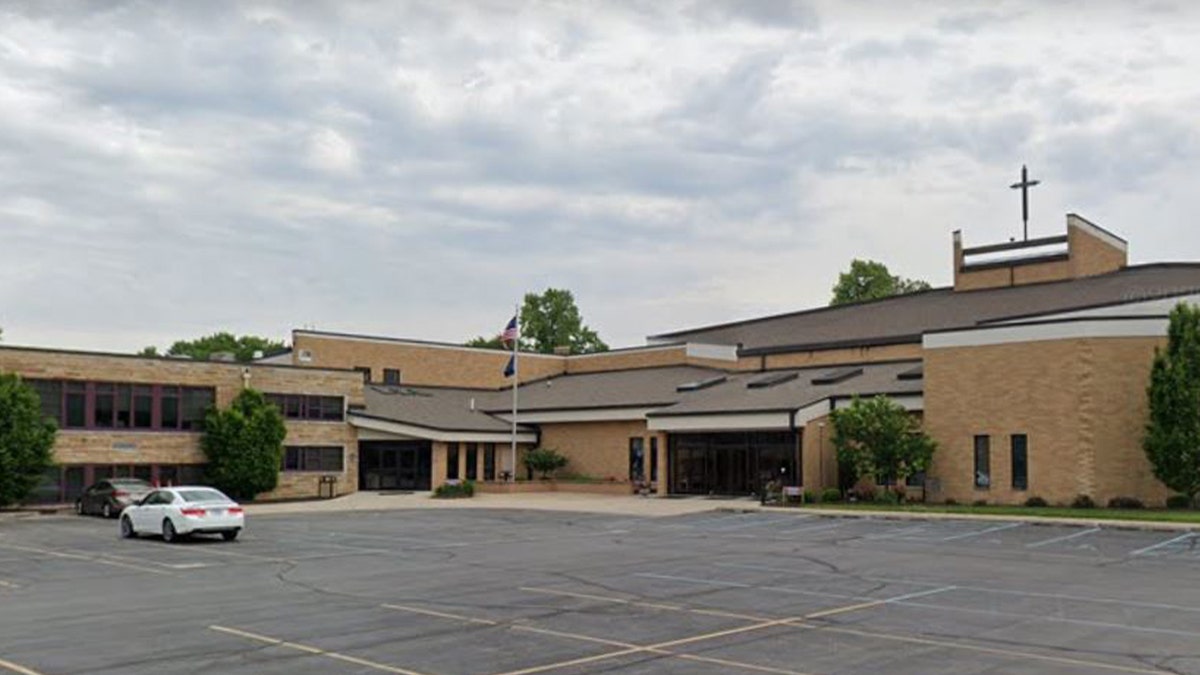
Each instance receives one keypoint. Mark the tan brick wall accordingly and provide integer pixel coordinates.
(1080, 402)
(165, 447)
(598, 449)
(1041, 272)
(1091, 255)
(640, 358)
(423, 364)
(829, 357)
(817, 455)
(989, 278)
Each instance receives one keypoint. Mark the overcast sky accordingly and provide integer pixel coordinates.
(411, 169)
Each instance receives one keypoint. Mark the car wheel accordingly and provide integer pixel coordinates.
(169, 534)
(127, 528)
(106, 510)
(229, 535)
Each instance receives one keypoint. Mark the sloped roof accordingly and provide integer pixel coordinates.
(904, 318)
(612, 389)
(442, 408)
(734, 396)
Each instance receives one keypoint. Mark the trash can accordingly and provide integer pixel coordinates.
(331, 481)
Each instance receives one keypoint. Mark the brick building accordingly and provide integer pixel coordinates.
(1029, 371)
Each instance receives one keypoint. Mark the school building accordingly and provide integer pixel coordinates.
(1030, 372)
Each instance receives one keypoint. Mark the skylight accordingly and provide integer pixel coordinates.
(771, 380)
(916, 373)
(701, 384)
(839, 375)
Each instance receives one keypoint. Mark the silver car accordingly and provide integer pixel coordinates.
(179, 512)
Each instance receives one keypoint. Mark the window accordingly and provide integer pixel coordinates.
(472, 461)
(637, 459)
(366, 373)
(1020, 461)
(313, 458)
(983, 462)
(143, 407)
(169, 402)
(76, 404)
(489, 461)
(195, 402)
(391, 376)
(124, 406)
(452, 461)
(653, 458)
(104, 405)
(303, 407)
(51, 394)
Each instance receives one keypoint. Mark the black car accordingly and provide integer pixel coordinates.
(110, 496)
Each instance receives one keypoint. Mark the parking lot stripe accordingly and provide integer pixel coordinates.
(7, 584)
(1066, 537)
(642, 603)
(997, 528)
(811, 528)
(1162, 544)
(85, 558)
(443, 615)
(315, 651)
(21, 670)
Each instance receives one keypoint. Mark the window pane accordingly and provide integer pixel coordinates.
(637, 459)
(170, 409)
(124, 403)
(105, 406)
(143, 407)
(1020, 462)
(312, 409)
(472, 461)
(331, 408)
(654, 458)
(76, 409)
(391, 376)
(196, 401)
(452, 460)
(983, 464)
(293, 407)
(331, 459)
(489, 461)
(50, 392)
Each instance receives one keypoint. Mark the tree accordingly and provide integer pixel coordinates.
(244, 445)
(26, 439)
(869, 280)
(878, 437)
(242, 347)
(1172, 439)
(548, 320)
(545, 461)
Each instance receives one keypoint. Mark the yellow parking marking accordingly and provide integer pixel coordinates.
(85, 558)
(443, 615)
(315, 651)
(641, 603)
(12, 667)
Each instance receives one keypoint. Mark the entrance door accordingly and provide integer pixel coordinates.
(395, 465)
(736, 463)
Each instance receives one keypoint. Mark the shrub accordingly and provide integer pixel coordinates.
(887, 497)
(1083, 502)
(244, 445)
(811, 497)
(26, 440)
(1125, 503)
(545, 461)
(863, 495)
(1179, 502)
(979, 502)
(831, 495)
(1035, 502)
(951, 502)
(455, 490)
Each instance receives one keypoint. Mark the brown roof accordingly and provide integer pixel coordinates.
(904, 318)
(791, 393)
(442, 408)
(612, 389)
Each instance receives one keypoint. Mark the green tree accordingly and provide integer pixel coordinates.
(26, 440)
(544, 461)
(244, 445)
(242, 347)
(548, 320)
(1172, 439)
(869, 280)
(878, 437)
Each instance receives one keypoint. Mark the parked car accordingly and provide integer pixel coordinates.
(179, 512)
(110, 496)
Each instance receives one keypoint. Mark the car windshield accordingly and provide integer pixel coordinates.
(203, 496)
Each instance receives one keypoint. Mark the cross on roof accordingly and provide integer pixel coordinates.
(1025, 184)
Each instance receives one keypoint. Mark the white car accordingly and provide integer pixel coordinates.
(181, 511)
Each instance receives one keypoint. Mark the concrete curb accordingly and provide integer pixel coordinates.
(1107, 523)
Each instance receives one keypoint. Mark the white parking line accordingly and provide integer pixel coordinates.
(812, 528)
(1066, 537)
(896, 533)
(968, 535)
(1162, 544)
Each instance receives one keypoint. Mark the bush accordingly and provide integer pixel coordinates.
(1036, 502)
(544, 461)
(244, 445)
(979, 502)
(455, 490)
(26, 440)
(951, 502)
(886, 496)
(831, 495)
(1125, 503)
(811, 497)
(1179, 502)
(1083, 502)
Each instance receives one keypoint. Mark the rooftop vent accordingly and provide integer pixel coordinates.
(701, 384)
(917, 373)
(839, 375)
(771, 380)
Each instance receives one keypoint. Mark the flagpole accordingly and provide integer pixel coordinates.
(516, 384)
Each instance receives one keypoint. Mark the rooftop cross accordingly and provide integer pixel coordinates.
(1025, 184)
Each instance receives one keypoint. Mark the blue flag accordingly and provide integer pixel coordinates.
(511, 368)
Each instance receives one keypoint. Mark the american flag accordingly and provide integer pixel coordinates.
(510, 331)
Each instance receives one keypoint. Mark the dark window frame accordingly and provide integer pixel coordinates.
(654, 459)
(452, 468)
(313, 459)
(309, 407)
(391, 376)
(637, 458)
(983, 462)
(98, 406)
(1019, 447)
(489, 461)
(472, 462)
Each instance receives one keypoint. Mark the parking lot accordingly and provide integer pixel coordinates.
(515, 592)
